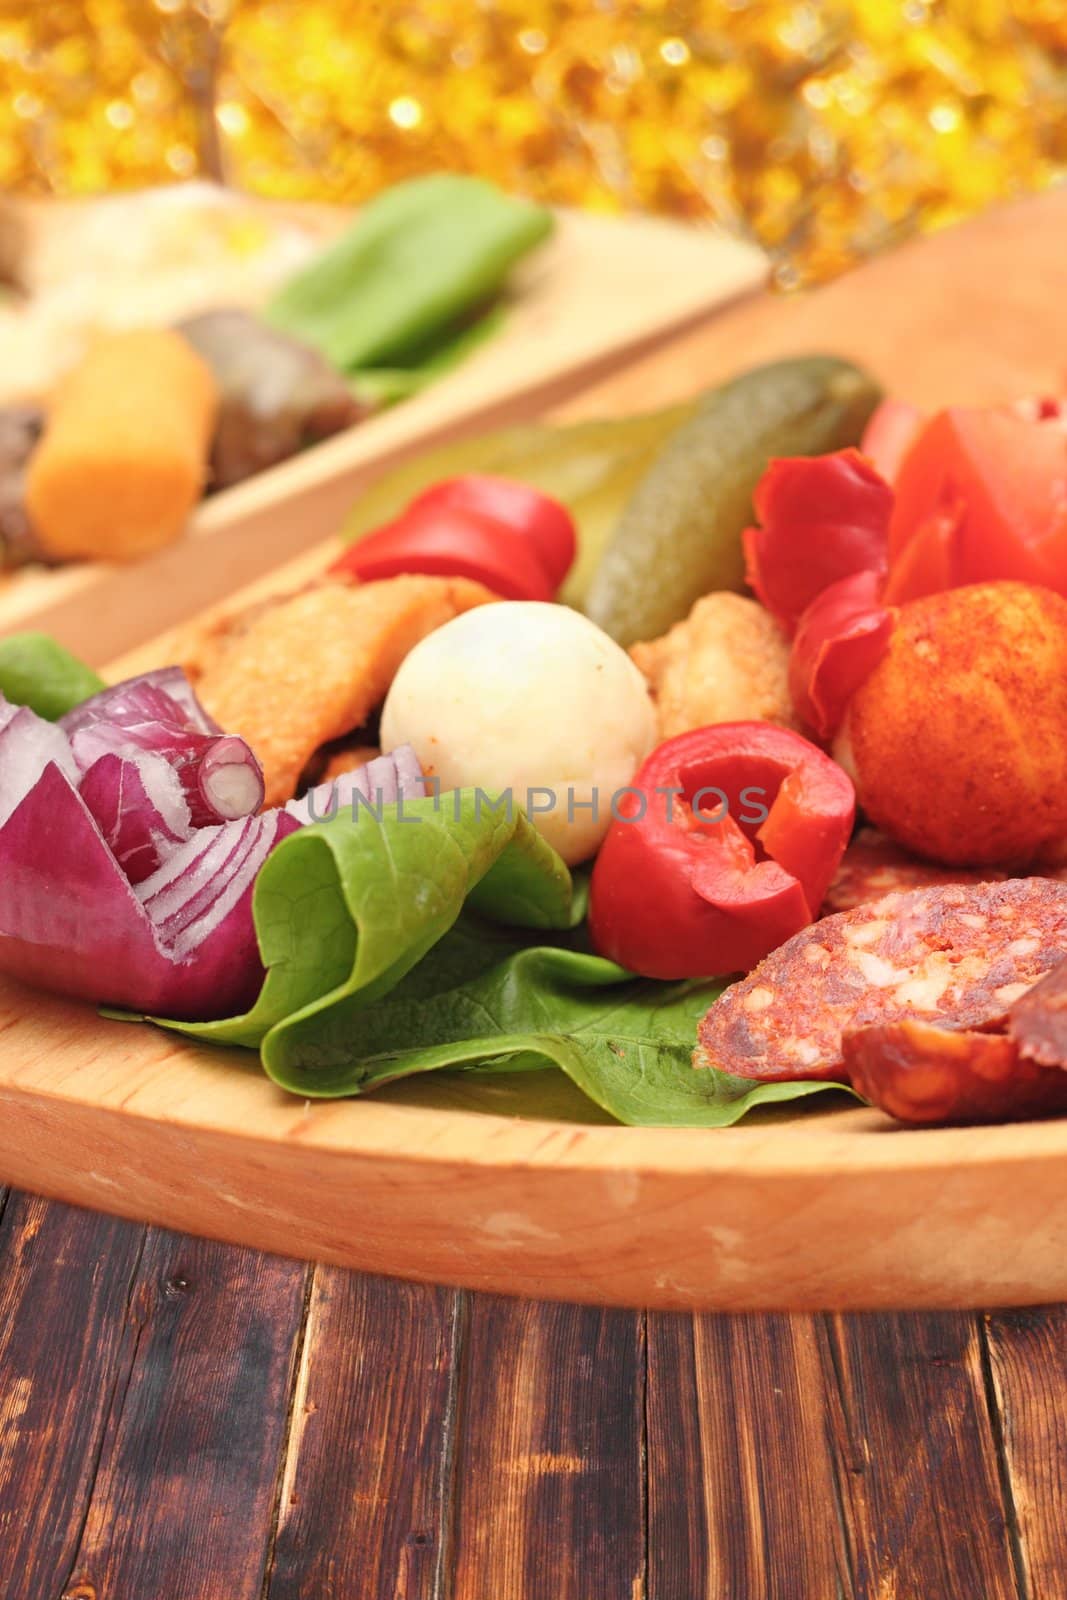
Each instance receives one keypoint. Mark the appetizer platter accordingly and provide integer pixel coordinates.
(627, 862)
(264, 358)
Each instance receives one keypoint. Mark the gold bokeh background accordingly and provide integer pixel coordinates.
(824, 130)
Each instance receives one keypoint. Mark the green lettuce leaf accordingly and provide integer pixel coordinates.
(398, 292)
(384, 386)
(448, 937)
(344, 909)
(37, 672)
(626, 1043)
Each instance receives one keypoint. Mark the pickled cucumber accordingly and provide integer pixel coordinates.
(592, 467)
(679, 536)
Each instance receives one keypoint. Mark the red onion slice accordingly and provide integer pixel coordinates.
(140, 809)
(70, 921)
(381, 782)
(158, 714)
(230, 779)
(27, 745)
(210, 901)
(151, 697)
(110, 892)
(219, 776)
(209, 858)
(410, 778)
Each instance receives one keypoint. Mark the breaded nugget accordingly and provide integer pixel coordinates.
(727, 662)
(307, 668)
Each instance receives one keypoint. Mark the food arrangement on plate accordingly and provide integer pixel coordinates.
(716, 758)
(201, 342)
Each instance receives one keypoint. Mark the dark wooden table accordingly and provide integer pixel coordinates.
(187, 1420)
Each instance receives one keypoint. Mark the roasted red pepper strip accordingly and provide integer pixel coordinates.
(546, 523)
(517, 541)
(929, 562)
(450, 543)
(839, 641)
(822, 518)
(889, 435)
(981, 495)
(725, 846)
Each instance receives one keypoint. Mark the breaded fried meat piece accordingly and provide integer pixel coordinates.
(299, 671)
(727, 662)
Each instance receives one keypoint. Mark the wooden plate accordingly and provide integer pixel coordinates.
(446, 1179)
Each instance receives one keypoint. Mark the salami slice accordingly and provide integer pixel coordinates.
(958, 954)
(1038, 1022)
(874, 866)
(923, 1073)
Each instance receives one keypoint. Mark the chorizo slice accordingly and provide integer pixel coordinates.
(874, 866)
(923, 1073)
(1038, 1021)
(957, 954)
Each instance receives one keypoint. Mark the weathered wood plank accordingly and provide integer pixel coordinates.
(366, 1480)
(1028, 1365)
(183, 1500)
(65, 1278)
(741, 1486)
(549, 1486)
(918, 1461)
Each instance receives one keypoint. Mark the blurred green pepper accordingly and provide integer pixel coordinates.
(37, 672)
(401, 294)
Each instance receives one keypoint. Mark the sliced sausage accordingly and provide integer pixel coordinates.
(874, 866)
(921, 1072)
(1038, 1022)
(959, 955)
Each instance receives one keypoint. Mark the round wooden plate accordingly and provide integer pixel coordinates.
(449, 1180)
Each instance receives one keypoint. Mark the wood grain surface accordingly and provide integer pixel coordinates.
(548, 1453)
(919, 1476)
(202, 1423)
(66, 1278)
(368, 1473)
(738, 1416)
(207, 1345)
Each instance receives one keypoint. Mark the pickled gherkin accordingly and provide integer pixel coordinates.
(679, 536)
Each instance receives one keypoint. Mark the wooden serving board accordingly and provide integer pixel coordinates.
(600, 292)
(446, 1179)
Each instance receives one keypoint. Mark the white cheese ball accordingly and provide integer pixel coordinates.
(529, 698)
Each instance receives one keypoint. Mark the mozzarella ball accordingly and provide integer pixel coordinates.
(529, 698)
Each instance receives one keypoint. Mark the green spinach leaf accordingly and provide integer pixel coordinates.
(37, 672)
(449, 937)
(401, 287)
(346, 908)
(626, 1043)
